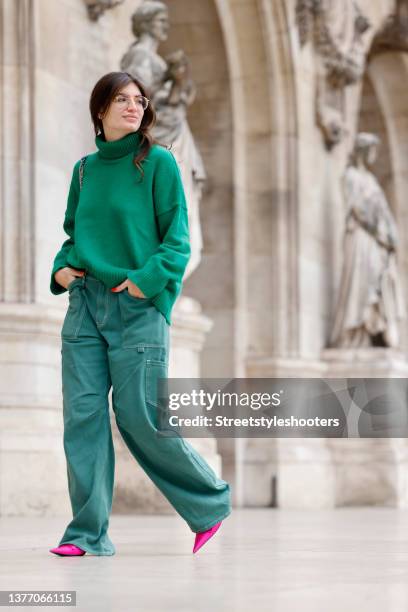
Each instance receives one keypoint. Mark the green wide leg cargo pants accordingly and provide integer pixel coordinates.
(120, 341)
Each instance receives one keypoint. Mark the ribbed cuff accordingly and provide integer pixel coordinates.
(55, 287)
(147, 281)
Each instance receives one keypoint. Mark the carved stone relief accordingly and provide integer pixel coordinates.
(336, 30)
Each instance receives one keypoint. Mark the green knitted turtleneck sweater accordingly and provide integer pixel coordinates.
(121, 225)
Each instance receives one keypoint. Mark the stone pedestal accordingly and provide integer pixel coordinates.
(400, 454)
(364, 363)
(368, 471)
(321, 472)
(259, 472)
(33, 479)
(288, 473)
(306, 475)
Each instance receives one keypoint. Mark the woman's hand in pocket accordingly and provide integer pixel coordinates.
(65, 276)
(133, 289)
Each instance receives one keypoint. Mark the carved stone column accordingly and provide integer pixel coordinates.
(17, 230)
(32, 468)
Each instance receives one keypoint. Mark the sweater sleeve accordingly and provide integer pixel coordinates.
(60, 260)
(170, 260)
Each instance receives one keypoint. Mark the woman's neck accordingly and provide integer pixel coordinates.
(112, 134)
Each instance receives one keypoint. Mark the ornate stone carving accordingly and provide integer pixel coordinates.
(97, 7)
(336, 30)
(394, 35)
(370, 303)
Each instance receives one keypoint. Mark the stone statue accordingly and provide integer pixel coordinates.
(172, 91)
(370, 302)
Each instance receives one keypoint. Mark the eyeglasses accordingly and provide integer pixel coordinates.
(124, 101)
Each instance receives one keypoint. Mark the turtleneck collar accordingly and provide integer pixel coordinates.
(114, 149)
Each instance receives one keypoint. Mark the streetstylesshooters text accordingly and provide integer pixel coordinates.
(208, 401)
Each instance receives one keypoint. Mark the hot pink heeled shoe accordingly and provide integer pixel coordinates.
(68, 550)
(203, 537)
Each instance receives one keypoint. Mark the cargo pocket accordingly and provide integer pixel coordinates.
(155, 371)
(141, 322)
(156, 388)
(76, 310)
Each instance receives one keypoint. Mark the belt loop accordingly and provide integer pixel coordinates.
(140, 349)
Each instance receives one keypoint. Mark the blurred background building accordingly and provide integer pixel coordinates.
(276, 95)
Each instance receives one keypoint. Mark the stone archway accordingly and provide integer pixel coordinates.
(265, 180)
(265, 212)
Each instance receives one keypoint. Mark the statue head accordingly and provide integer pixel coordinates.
(177, 63)
(365, 148)
(151, 17)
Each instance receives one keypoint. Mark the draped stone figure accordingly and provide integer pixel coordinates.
(172, 91)
(370, 303)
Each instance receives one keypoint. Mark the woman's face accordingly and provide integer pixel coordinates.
(125, 112)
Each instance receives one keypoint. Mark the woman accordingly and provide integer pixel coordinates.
(122, 265)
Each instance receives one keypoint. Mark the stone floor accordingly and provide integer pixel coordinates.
(346, 560)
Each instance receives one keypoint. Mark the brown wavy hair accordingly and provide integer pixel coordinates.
(102, 95)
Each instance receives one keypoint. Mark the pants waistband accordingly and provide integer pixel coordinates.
(85, 277)
(88, 275)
